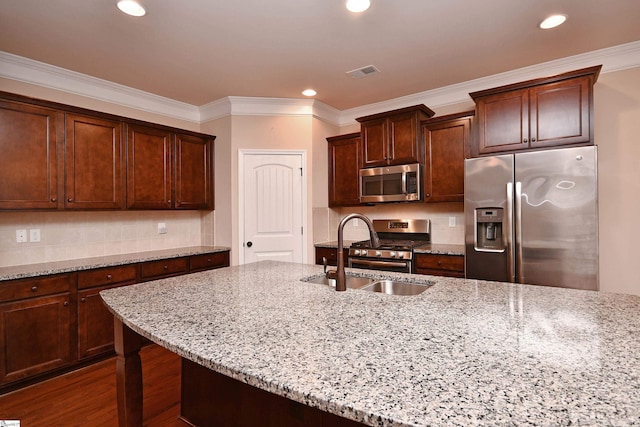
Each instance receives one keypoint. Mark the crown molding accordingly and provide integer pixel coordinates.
(26, 70)
(614, 58)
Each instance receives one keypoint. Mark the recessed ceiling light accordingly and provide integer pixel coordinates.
(552, 21)
(358, 5)
(309, 92)
(131, 7)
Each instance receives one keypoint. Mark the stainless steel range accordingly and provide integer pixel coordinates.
(398, 239)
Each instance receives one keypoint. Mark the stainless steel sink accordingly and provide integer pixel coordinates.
(391, 287)
(353, 282)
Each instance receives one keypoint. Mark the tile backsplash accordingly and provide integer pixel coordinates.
(70, 235)
(325, 220)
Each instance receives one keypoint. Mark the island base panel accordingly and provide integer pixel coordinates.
(209, 398)
(128, 375)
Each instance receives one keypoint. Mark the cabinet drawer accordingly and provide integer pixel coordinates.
(208, 261)
(21, 289)
(106, 276)
(440, 262)
(164, 267)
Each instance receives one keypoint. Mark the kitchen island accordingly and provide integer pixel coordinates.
(464, 352)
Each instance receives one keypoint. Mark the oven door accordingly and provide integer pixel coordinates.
(399, 266)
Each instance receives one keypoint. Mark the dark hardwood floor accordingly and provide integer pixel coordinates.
(87, 397)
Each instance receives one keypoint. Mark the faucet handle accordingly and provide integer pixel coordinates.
(324, 262)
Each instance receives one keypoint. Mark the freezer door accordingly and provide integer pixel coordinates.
(556, 203)
(488, 187)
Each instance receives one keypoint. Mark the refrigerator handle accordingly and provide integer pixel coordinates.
(508, 232)
(518, 238)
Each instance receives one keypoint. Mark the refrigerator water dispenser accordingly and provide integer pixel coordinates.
(489, 236)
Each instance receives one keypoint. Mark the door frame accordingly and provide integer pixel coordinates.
(241, 208)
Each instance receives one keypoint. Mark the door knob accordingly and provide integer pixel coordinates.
(249, 244)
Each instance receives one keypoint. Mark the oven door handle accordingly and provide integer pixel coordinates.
(379, 263)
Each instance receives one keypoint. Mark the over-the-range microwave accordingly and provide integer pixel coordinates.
(401, 183)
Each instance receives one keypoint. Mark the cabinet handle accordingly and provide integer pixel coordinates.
(439, 263)
(525, 140)
(533, 139)
(34, 289)
(166, 267)
(66, 303)
(109, 277)
(209, 260)
(427, 195)
(83, 300)
(69, 200)
(53, 200)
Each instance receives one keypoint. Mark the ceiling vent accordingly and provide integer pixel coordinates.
(363, 72)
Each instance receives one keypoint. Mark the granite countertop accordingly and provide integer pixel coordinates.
(432, 248)
(46, 268)
(465, 352)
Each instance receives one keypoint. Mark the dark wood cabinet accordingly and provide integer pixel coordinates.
(93, 163)
(536, 114)
(153, 270)
(149, 168)
(95, 322)
(393, 137)
(439, 265)
(331, 254)
(35, 327)
(447, 144)
(345, 162)
(194, 172)
(29, 158)
(56, 156)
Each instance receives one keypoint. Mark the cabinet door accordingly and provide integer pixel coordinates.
(447, 145)
(503, 122)
(560, 113)
(404, 144)
(374, 142)
(34, 336)
(28, 164)
(93, 163)
(194, 177)
(344, 170)
(95, 324)
(149, 170)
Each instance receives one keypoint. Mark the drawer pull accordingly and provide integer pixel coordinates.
(66, 303)
(109, 277)
(209, 260)
(83, 300)
(439, 262)
(34, 289)
(166, 267)
(53, 200)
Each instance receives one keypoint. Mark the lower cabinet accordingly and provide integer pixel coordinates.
(331, 254)
(51, 324)
(439, 265)
(35, 327)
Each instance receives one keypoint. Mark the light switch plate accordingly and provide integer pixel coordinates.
(34, 235)
(162, 228)
(452, 221)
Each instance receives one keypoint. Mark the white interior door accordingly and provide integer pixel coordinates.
(272, 192)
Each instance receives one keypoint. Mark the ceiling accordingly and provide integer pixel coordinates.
(199, 51)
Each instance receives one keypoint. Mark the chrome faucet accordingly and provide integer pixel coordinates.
(339, 274)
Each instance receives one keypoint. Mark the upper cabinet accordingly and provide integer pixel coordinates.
(93, 163)
(394, 137)
(344, 169)
(29, 158)
(536, 114)
(149, 171)
(447, 141)
(56, 156)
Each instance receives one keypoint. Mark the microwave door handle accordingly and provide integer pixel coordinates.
(404, 183)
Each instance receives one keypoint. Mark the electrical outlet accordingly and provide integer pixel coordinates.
(162, 228)
(34, 235)
(452, 221)
(21, 236)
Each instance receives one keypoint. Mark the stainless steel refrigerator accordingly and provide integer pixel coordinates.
(533, 218)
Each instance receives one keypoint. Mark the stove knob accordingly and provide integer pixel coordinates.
(363, 252)
(392, 254)
(356, 251)
(378, 253)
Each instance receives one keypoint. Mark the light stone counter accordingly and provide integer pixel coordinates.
(465, 352)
